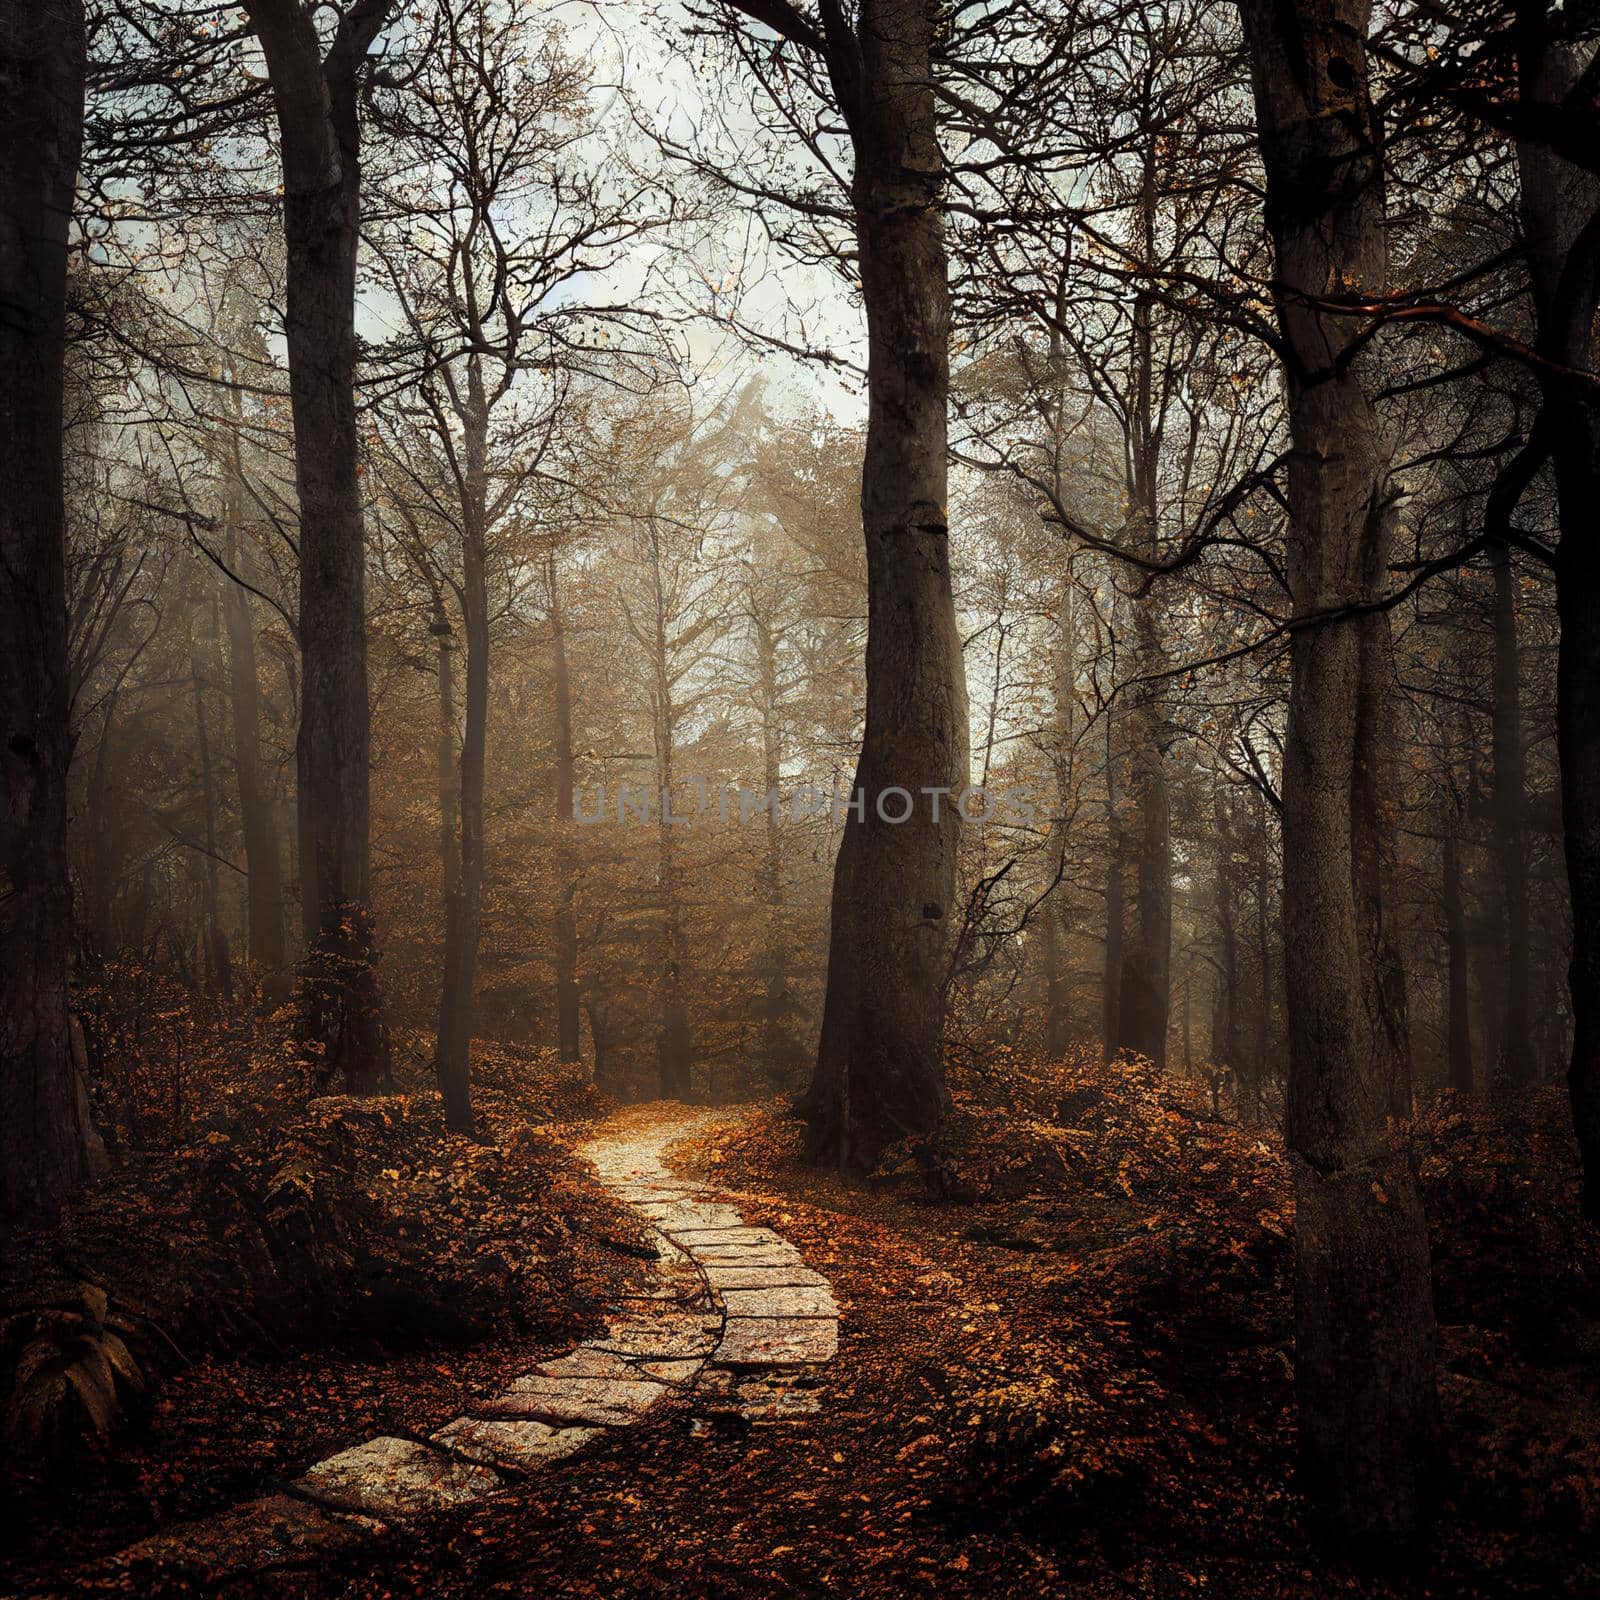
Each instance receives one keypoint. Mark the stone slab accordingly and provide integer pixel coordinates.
(691, 1216)
(584, 1362)
(771, 1394)
(748, 1256)
(688, 1289)
(694, 1240)
(760, 1404)
(674, 1372)
(784, 1302)
(663, 1334)
(396, 1478)
(587, 1402)
(778, 1341)
(520, 1446)
(725, 1278)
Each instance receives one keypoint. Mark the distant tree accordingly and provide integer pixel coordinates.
(672, 562)
(1525, 79)
(493, 205)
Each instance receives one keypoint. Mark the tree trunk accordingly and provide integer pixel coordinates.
(218, 964)
(1116, 918)
(446, 771)
(1111, 987)
(104, 827)
(1057, 1033)
(1225, 1044)
(1058, 1021)
(1458, 1025)
(1365, 1339)
(464, 902)
(674, 1046)
(1577, 717)
(1263, 1049)
(880, 1067)
(674, 1054)
(1188, 1024)
(1561, 224)
(600, 1035)
(1146, 997)
(1518, 1064)
(778, 1049)
(263, 863)
(566, 924)
(1146, 981)
(319, 136)
(44, 1130)
(1374, 797)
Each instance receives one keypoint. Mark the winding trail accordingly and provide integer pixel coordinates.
(731, 1319)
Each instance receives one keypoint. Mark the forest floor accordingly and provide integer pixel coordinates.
(1080, 1387)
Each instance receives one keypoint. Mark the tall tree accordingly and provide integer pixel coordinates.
(880, 1073)
(1559, 92)
(263, 861)
(315, 87)
(1364, 1326)
(568, 992)
(673, 583)
(1510, 802)
(768, 619)
(264, 881)
(43, 1114)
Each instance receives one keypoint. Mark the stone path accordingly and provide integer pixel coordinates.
(732, 1319)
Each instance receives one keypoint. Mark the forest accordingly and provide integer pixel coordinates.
(800, 797)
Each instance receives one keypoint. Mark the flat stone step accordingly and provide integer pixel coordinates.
(694, 1240)
(724, 1278)
(665, 1336)
(786, 1395)
(692, 1217)
(585, 1362)
(778, 1342)
(396, 1479)
(519, 1446)
(719, 1255)
(587, 1402)
(783, 1302)
(674, 1372)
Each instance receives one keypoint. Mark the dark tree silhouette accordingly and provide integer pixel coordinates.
(319, 133)
(43, 1114)
(1364, 1327)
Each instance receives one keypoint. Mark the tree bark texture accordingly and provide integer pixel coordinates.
(263, 862)
(44, 1131)
(1561, 225)
(1519, 1065)
(463, 910)
(319, 138)
(781, 1054)
(1365, 1336)
(880, 1071)
(1458, 1013)
(568, 1029)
